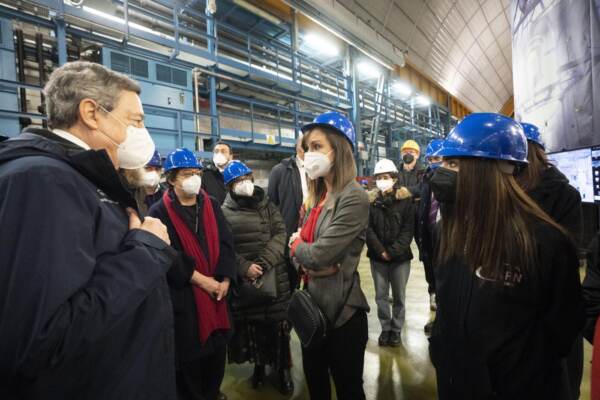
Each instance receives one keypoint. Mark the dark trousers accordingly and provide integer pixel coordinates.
(429, 276)
(574, 366)
(341, 354)
(201, 379)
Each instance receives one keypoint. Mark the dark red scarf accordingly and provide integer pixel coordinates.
(595, 381)
(212, 314)
(307, 234)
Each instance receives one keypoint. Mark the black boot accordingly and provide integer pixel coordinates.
(428, 327)
(394, 340)
(384, 338)
(285, 382)
(258, 378)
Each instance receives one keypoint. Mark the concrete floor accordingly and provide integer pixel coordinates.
(400, 373)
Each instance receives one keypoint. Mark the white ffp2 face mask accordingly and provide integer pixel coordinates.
(150, 179)
(220, 159)
(136, 150)
(384, 184)
(316, 164)
(191, 186)
(244, 188)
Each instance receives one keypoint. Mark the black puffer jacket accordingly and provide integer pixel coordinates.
(391, 227)
(260, 238)
(560, 201)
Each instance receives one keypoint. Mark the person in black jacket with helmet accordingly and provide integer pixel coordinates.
(199, 279)
(507, 283)
(390, 232)
(262, 333)
(428, 217)
(551, 190)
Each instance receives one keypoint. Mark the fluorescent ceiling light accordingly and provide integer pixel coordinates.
(320, 45)
(368, 69)
(347, 40)
(423, 100)
(103, 14)
(121, 21)
(403, 89)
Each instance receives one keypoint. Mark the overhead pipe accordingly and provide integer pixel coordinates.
(258, 87)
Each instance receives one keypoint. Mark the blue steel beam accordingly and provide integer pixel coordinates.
(193, 51)
(211, 33)
(61, 33)
(175, 51)
(355, 101)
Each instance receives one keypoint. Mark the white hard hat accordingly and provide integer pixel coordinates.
(385, 166)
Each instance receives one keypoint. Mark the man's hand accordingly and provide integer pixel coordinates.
(254, 272)
(151, 225)
(385, 255)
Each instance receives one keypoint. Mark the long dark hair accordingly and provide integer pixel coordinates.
(492, 222)
(530, 177)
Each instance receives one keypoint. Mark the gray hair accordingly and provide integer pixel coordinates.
(78, 80)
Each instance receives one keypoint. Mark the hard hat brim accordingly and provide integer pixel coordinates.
(313, 125)
(538, 142)
(451, 151)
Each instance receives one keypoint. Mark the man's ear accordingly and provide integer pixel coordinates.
(88, 113)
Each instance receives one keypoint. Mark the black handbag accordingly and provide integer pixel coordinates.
(307, 319)
(262, 291)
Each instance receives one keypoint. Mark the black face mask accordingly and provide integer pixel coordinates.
(443, 185)
(408, 158)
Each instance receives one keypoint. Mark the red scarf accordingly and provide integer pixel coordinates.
(307, 234)
(595, 381)
(212, 314)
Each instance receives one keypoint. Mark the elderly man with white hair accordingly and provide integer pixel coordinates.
(85, 311)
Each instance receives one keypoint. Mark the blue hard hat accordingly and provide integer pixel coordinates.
(181, 158)
(486, 135)
(433, 147)
(234, 170)
(336, 121)
(533, 134)
(155, 161)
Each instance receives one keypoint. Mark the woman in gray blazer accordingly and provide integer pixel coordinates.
(328, 248)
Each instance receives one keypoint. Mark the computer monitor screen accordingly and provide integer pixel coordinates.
(596, 171)
(577, 167)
